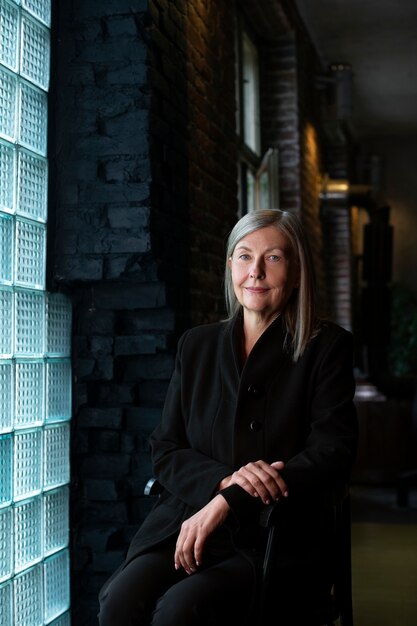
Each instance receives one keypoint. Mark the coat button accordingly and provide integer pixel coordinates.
(254, 390)
(255, 426)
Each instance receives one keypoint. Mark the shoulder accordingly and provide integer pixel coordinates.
(331, 338)
(202, 336)
(326, 330)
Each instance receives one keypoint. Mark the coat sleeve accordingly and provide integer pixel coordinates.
(326, 460)
(186, 473)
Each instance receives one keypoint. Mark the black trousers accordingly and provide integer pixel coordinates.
(149, 591)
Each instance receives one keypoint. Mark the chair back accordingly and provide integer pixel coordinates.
(339, 605)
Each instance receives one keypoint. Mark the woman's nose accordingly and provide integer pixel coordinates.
(257, 271)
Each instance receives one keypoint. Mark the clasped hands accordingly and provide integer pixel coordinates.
(258, 478)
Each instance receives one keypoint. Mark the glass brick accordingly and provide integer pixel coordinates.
(6, 469)
(30, 323)
(41, 9)
(28, 598)
(35, 52)
(58, 324)
(8, 104)
(6, 322)
(32, 186)
(56, 520)
(9, 19)
(62, 620)
(33, 118)
(6, 544)
(27, 534)
(27, 463)
(6, 604)
(30, 394)
(6, 396)
(56, 456)
(57, 585)
(6, 248)
(30, 249)
(58, 390)
(7, 177)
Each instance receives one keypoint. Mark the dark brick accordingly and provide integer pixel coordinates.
(107, 562)
(126, 296)
(140, 344)
(91, 417)
(142, 419)
(110, 466)
(97, 538)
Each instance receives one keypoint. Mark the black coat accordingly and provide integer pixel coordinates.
(219, 415)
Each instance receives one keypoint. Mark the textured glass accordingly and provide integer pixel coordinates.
(30, 249)
(62, 620)
(6, 465)
(6, 604)
(56, 520)
(27, 463)
(8, 104)
(57, 585)
(35, 340)
(30, 386)
(9, 20)
(33, 118)
(7, 177)
(35, 52)
(28, 533)
(6, 544)
(58, 324)
(29, 322)
(56, 456)
(6, 248)
(28, 598)
(32, 186)
(41, 9)
(58, 390)
(6, 322)
(6, 396)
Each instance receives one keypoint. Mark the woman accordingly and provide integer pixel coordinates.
(259, 408)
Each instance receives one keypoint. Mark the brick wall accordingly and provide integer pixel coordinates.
(101, 253)
(194, 157)
(280, 124)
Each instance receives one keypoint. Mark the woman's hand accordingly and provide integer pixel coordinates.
(194, 532)
(260, 480)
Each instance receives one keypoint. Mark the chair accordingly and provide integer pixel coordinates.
(339, 607)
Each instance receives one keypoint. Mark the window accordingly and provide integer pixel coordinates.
(35, 369)
(250, 94)
(258, 175)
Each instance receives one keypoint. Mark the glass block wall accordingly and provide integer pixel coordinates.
(35, 369)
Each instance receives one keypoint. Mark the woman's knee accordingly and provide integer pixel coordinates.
(118, 609)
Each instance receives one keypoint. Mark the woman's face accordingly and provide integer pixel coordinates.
(264, 272)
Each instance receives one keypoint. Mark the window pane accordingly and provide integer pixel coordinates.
(250, 190)
(251, 116)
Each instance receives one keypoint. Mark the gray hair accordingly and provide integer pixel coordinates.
(299, 314)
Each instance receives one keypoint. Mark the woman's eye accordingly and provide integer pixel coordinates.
(243, 257)
(274, 257)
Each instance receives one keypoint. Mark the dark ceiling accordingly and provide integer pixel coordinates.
(378, 38)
